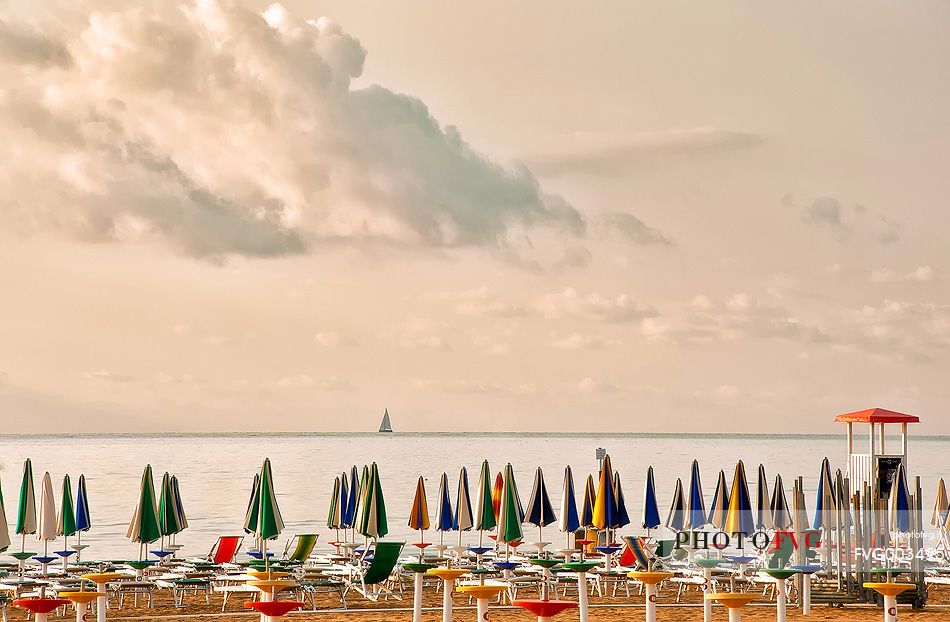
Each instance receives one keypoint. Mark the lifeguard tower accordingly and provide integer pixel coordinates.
(877, 467)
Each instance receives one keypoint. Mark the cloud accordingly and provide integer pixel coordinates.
(607, 156)
(331, 339)
(632, 229)
(107, 375)
(576, 341)
(825, 212)
(220, 131)
(857, 221)
(331, 383)
(921, 274)
(417, 334)
(474, 386)
(898, 330)
(568, 303)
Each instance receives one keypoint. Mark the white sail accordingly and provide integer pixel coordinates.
(385, 425)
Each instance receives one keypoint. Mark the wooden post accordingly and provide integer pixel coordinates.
(883, 451)
(847, 538)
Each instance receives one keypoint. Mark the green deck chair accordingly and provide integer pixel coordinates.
(370, 581)
(306, 542)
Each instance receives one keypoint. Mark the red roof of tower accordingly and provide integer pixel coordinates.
(877, 415)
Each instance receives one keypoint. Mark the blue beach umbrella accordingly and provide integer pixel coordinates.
(83, 518)
(739, 515)
(781, 514)
(900, 502)
(825, 499)
(676, 519)
(349, 518)
(570, 522)
(623, 518)
(651, 513)
(344, 500)
(539, 512)
(464, 519)
(720, 502)
(444, 518)
(695, 504)
(763, 511)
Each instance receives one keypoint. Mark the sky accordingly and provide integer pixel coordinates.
(634, 216)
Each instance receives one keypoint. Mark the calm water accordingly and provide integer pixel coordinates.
(216, 471)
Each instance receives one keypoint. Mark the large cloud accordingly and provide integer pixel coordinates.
(221, 131)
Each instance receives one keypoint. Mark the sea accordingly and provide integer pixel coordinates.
(215, 472)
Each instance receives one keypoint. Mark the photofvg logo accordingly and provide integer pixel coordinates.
(760, 540)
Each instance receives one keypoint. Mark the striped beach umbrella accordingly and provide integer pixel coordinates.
(590, 497)
(720, 503)
(763, 510)
(496, 493)
(144, 527)
(695, 504)
(444, 518)
(4, 527)
(570, 521)
(168, 517)
(485, 519)
(676, 519)
(66, 522)
(739, 517)
(651, 512)
(343, 501)
(373, 521)
(26, 510)
(269, 521)
(337, 503)
(539, 512)
(511, 513)
(941, 506)
(781, 514)
(605, 504)
(419, 514)
(250, 517)
(900, 502)
(349, 512)
(825, 499)
(179, 505)
(361, 499)
(463, 519)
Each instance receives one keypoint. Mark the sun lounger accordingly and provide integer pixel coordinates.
(225, 549)
(378, 572)
(305, 543)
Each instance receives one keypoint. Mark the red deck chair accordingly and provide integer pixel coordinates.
(225, 549)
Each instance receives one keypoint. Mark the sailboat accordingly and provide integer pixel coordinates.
(385, 425)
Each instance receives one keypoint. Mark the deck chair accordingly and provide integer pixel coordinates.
(641, 557)
(370, 580)
(305, 543)
(225, 549)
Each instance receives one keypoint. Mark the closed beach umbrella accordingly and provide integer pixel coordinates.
(496, 493)
(26, 510)
(739, 517)
(651, 512)
(66, 522)
(419, 514)
(463, 519)
(695, 504)
(941, 506)
(4, 527)
(720, 503)
(623, 518)
(485, 519)
(676, 519)
(900, 501)
(349, 515)
(179, 506)
(590, 497)
(46, 528)
(763, 510)
(842, 501)
(144, 527)
(83, 518)
(539, 512)
(444, 519)
(250, 517)
(361, 499)
(511, 513)
(781, 514)
(373, 521)
(168, 523)
(570, 521)
(825, 499)
(605, 505)
(342, 500)
(335, 513)
(269, 521)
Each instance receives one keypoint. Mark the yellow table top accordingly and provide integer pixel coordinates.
(890, 589)
(485, 590)
(448, 574)
(731, 599)
(81, 597)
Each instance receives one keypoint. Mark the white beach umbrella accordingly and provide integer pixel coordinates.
(47, 529)
(4, 527)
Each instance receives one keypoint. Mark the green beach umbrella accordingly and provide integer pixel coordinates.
(168, 518)
(67, 514)
(361, 498)
(26, 511)
(335, 513)
(484, 510)
(373, 522)
(144, 527)
(269, 522)
(250, 518)
(4, 527)
(511, 515)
